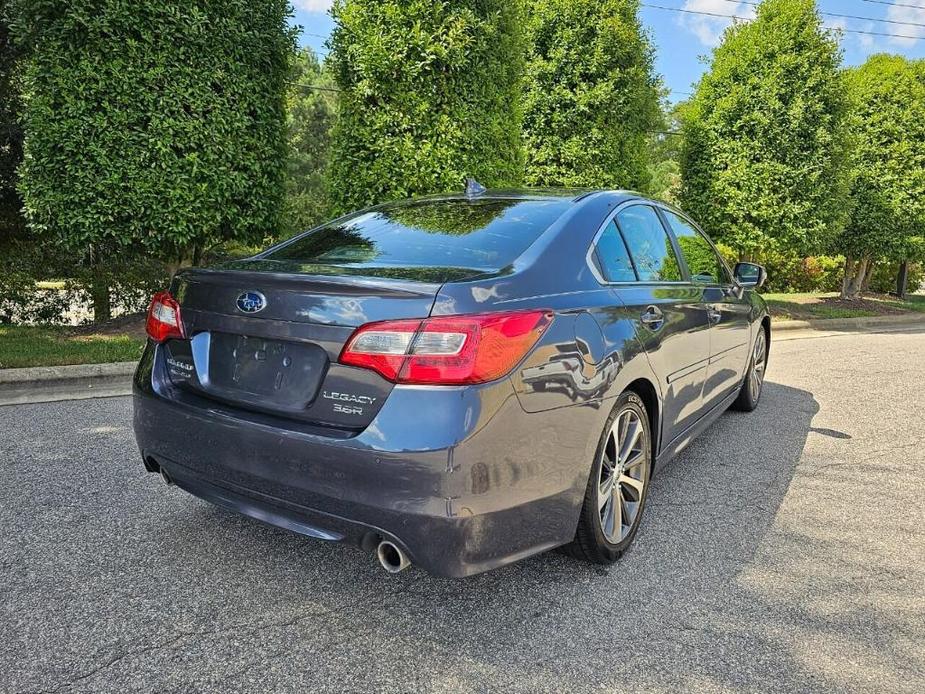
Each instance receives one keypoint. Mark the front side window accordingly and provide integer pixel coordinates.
(649, 245)
(704, 263)
(612, 256)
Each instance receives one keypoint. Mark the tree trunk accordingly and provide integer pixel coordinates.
(902, 279)
(865, 285)
(102, 302)
(846, 277)
(854, 278)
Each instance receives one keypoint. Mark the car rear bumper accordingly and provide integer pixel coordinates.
(462, 479)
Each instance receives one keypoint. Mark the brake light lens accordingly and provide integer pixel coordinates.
(164, 321)
(446, 350)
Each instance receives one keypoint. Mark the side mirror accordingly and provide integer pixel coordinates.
(750, 275)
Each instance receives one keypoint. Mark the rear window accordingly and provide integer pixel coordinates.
(475, 234)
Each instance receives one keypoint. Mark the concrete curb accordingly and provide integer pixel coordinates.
(64, 373)
(848, 324)
(53, 383)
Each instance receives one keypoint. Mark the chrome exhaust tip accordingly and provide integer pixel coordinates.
(166, 477)
(391, 557)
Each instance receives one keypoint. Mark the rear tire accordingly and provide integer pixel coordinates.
(618, 485)
(750, 393)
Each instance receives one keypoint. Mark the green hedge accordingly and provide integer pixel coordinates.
(591, 96)
(430, 96)
(152, 126)
(765, 156)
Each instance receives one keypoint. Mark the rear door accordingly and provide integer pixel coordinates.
(727, 309)
(672, 319)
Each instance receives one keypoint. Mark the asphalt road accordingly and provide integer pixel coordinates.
(783, 551)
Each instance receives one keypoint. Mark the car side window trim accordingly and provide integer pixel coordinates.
(590, 255)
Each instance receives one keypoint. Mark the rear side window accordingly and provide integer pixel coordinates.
(704, 263)
(486, 234)
(612, 256)
(649, 245)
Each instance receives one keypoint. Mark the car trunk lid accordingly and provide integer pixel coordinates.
(270, 341)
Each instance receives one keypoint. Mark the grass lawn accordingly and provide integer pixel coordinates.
(809, 306)
(55, 346)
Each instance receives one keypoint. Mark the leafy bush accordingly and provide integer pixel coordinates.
(883, 278)
(22, 302)
(591, 94)
(430, 95)
(131, 284)
(788, 272)
(152, 127)
(764, 160)
(310, 116)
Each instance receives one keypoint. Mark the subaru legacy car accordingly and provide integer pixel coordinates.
(455, 382)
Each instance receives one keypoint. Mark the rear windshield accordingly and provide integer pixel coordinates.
(474, 234)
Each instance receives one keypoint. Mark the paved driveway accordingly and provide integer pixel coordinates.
(783, 551)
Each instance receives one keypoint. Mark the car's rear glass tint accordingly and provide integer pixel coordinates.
(477, 234)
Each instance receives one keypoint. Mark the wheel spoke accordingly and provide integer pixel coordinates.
(624, 423)
(632, 482)
(632, 435)
(630, 509)
(618, 515)
(635, 459)
(605, 491)
(608, 516)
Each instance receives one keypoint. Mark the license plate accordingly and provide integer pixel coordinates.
(283, 373)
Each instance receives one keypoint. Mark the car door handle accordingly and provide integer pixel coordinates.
(715, 315)
(653, 318)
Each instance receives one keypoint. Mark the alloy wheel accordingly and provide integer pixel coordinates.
(759, 361)
(623, 477)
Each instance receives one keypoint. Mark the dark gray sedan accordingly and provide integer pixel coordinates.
(457, 382)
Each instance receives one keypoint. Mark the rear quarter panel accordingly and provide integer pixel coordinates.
(591, 352)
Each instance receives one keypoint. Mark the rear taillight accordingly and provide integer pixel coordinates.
(446, 350)
(164, 318)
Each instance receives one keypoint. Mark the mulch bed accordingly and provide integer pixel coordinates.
(133, 325)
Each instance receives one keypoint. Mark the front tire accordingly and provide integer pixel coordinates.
(618, 485)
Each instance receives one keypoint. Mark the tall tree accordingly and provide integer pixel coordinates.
(151, 125)
(665, 154)
(765, 158)
(591, 95)
(310, 110)
(888, 214)
(430, 96)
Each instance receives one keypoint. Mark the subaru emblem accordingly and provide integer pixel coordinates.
(251, 302)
